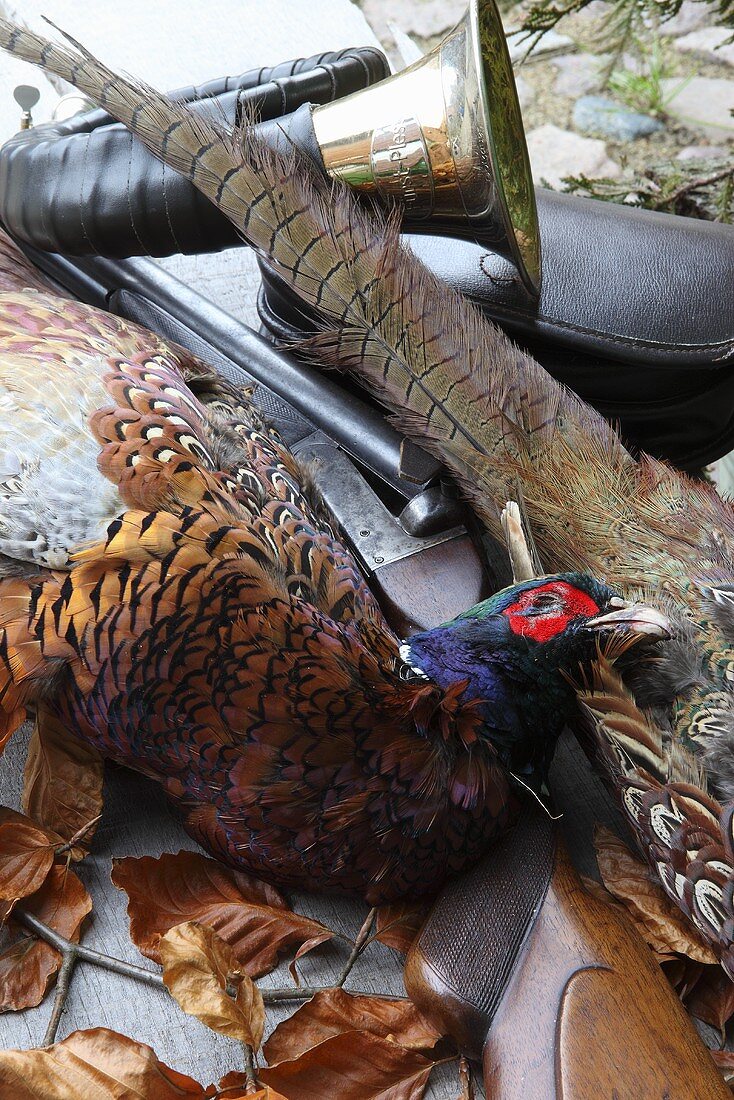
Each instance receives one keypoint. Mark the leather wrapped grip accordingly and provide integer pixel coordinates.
(86, 185)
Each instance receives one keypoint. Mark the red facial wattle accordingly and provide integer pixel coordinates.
(570, 603)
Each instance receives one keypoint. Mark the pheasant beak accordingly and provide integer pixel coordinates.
(637, 618)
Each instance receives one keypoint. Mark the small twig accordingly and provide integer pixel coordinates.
(694, 185)
(63, 982)
(150, 977)
(359, 945)
(78, 835)
(306, 992)
(86, 954)
(250, 1069)
(465, 1080)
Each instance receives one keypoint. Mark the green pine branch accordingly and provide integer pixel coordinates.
(626, 19)
(702, 189)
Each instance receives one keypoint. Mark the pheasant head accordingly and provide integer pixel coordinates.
(517, 652)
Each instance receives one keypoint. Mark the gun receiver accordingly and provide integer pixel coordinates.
(551, 988)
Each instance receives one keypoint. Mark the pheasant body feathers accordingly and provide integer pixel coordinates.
(189, 612)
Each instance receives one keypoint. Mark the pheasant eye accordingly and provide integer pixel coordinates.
(546, 602)
(541, 614)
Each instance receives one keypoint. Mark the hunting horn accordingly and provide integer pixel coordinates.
(445, 138)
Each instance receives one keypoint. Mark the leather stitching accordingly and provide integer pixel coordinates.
(726, 346)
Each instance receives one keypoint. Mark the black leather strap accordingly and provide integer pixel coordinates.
(87, 186)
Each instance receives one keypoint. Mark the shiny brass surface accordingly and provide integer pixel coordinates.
(444, 137)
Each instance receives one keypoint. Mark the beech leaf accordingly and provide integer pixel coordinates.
(99, 1064)
(28, 965)
(333, 1012)
(712, 998)
(26, 857)
(249, 915)
(658, 920)
(62, 783)
(198, 967)
(352, 1066)
(399, 922)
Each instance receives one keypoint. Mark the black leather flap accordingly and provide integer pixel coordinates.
(618, 282)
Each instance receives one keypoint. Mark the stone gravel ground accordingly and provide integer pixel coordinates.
(553, 78)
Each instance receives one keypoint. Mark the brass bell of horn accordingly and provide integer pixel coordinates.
(445, 138)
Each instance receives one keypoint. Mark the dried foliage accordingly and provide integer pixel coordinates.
(711, 998)
(334, 1012)
(623, 20)
(203, 974)
(28, 965)
(399, 923)
(724, 1060)
(353, 1047)
(656, 917)
(26, 857)
(249, 915)
(97, 1063)
(62, 785)
(355, 1065)
(235, 1087)
(704, 988)
(698, 189)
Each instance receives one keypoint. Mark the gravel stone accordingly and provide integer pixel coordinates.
(707, 43)
(555, 153)
(690, 17)
(596, 114)
(578, 73)
(703, 152)
(549, 43)
(705, 102)
(425, 20)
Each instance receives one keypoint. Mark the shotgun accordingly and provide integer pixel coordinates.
(552, 989)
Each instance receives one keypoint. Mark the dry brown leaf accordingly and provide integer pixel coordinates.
(334, 1012)
(658, 920)
(249, 915)
(198, 967)
(97, 1063)
(712, 998)
(28, 965)
(26, 856)
(234, 1087)
(352, 1066)
(682, 973)
(62, 784)
(399, 923)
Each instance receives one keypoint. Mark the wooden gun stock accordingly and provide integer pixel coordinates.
(551, 988)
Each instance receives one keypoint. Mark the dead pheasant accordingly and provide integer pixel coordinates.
(503, 427)
(170, 594)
